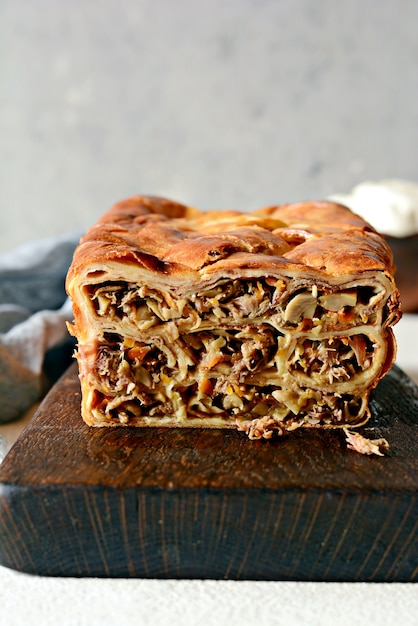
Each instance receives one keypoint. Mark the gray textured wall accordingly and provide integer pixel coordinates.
(216, 103)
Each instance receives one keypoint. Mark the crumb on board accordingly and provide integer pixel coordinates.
(361, 444)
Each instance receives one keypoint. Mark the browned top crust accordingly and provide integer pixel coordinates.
(168, 237)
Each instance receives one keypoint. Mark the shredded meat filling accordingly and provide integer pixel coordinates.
(242, 350)
(333, 359)
(138, 379)
(239, 300)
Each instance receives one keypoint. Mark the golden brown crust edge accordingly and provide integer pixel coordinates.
(175, 239)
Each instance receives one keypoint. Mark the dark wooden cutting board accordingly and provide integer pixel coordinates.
(187, 503)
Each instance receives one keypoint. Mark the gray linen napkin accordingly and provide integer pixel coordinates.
(35, 347)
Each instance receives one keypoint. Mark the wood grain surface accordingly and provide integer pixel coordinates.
(189, 503)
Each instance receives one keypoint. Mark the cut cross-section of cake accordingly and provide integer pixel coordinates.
(265, 321)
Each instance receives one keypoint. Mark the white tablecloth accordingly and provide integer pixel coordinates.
(27, 600)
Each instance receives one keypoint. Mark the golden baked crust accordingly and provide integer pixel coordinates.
(265, 321)
(158, 233)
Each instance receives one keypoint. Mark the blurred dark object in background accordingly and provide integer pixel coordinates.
(405, 252)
